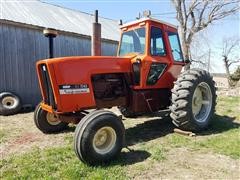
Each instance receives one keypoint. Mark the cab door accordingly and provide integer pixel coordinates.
(158, 59)
(164, 60)
(176, 51)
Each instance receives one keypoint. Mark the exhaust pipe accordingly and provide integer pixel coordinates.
(96, 37)
(50, 34)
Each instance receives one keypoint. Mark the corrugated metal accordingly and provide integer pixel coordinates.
(46, 15)
(21, 47)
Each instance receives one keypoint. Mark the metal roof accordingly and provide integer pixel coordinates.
(37, 13)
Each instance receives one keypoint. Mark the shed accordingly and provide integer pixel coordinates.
(22, 42)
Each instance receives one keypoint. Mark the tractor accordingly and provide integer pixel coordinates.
(144, 78)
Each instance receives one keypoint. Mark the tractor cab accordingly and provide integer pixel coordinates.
(157, 50)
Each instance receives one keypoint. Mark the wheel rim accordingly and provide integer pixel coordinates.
(104, 140)
(52, 119)
(202, 102)
(9, 102)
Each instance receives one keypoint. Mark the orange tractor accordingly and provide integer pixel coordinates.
(145, 77)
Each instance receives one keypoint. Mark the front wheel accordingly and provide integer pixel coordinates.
(99, 137)
(48, 122)
(193, 100)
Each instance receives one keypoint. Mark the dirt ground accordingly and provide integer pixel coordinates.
(182, 163)
(22, 135)
(19, 135)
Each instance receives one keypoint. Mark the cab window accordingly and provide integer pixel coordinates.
(157, 46)
(133, 42)
(175, 46)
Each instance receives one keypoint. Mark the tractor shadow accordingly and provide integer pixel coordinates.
(131, 157)
(158, 128)
(220, 124)
(70, 129)
(149, 130)
(161, 127)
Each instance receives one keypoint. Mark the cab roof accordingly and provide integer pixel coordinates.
(147, 19)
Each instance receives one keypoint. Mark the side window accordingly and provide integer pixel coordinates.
(175, 46)
(157, 46)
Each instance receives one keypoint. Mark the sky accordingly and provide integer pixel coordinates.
(128, 10)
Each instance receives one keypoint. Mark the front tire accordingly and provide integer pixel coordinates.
(193, 100)
(99, 137)
(47, 122)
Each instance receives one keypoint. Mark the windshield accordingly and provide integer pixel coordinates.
(133, 41)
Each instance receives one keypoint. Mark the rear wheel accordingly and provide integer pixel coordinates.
(48, 122)
(99, 137)
(193, 100)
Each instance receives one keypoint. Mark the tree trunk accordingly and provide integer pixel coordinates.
(227, 71)
(186, 54)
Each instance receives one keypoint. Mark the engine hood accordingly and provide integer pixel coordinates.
(74, 69)
(76, 72)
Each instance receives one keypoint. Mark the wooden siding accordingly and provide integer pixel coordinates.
(21, 47)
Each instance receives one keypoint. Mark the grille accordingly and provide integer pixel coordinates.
(47, 87)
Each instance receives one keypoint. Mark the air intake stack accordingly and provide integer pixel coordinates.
(96, 37)
(50, 34)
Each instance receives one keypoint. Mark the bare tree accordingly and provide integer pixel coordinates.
(200, 51)
(195, 15)
(230, 54)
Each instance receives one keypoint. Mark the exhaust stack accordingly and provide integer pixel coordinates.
(96, 36)
(50, 34)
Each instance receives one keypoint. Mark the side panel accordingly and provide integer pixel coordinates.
(148, 101)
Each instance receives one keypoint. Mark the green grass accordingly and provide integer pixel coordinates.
(158, 153)
(227, 143)
(2, 135)
(150, 143)
(156, 150)
(229, 106)
(225, 127)
(56, 163)
(223, 135)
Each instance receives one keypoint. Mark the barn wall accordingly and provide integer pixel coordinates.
(21, 47)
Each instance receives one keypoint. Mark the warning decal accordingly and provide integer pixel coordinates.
(74, 89)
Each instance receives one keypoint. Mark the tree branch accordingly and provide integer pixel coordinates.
(196, 61)
(195, 15)
(233, 62)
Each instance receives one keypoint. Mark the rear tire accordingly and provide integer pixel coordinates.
(193, 100)
(9, 104)
(99, 137)
(47, 122)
